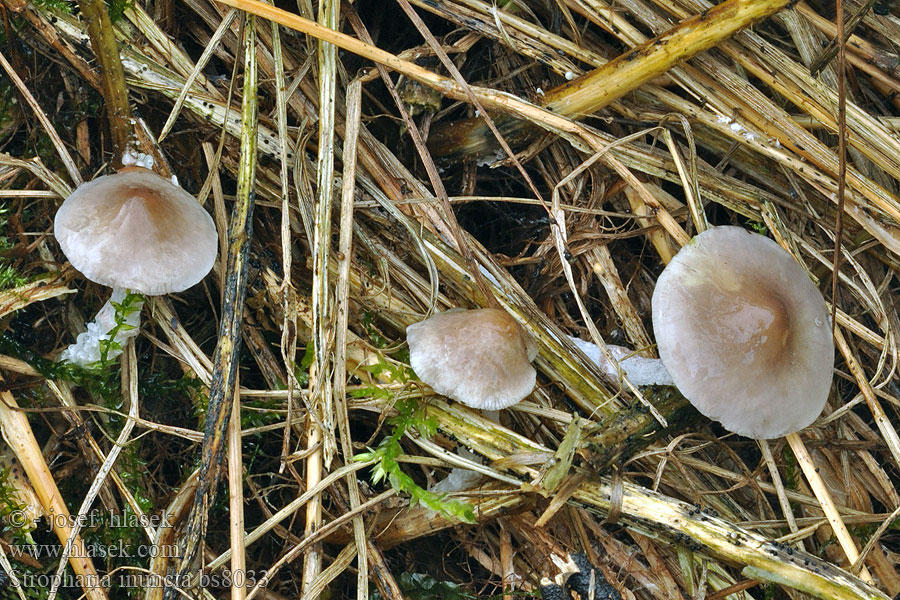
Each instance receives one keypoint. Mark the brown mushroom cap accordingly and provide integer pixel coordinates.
(481, 358)
(137, 230)
(744, 333)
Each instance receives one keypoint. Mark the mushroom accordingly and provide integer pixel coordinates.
(137, 231)
(744, 333)
(747, 339)
(481, 358)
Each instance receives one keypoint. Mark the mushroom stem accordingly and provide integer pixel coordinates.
(824, 497)
(639, 370)
(116, 322)
(459, 478)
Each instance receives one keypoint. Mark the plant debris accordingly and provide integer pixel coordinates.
(369, 164)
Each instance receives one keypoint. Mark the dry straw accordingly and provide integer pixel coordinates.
(632, 125)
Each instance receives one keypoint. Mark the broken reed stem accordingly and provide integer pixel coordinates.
(783, 501)
(342, 317)
(490, 98)
(841, 155)
(288, 293)
(236, 498)
(18, 434)
(164, 535)
(320, 424)
(211, 47)
(384, 579)
(399, 525)
(596, 89)
(506, 561)
(844, 30)
(617, 439)
(632, 429)
(34, 291)
(662, 517)
(882, 421)
(112, 76)
(824, 497)
(61, 150)
(225, 359)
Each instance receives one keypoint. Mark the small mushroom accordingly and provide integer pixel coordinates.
(133, 230)
(744, 333)
(481, 358)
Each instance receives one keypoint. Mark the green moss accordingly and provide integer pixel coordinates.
(790, 469)
(116, 540)
(865, 531)
(116, 8)
(132, 469)
(411, 416)
(9, 276)
(31, 593)
(17, 537)
(261, 412)
(301, 371)
(10, 109)
(131, 303)
(759, 227)
(421, 586)
(102, 383)
(61, 7)
(10, 504)
(378, 340)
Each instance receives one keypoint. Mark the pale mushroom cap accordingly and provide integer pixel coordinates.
(481, 358)
(137, 230)
(744, 333)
